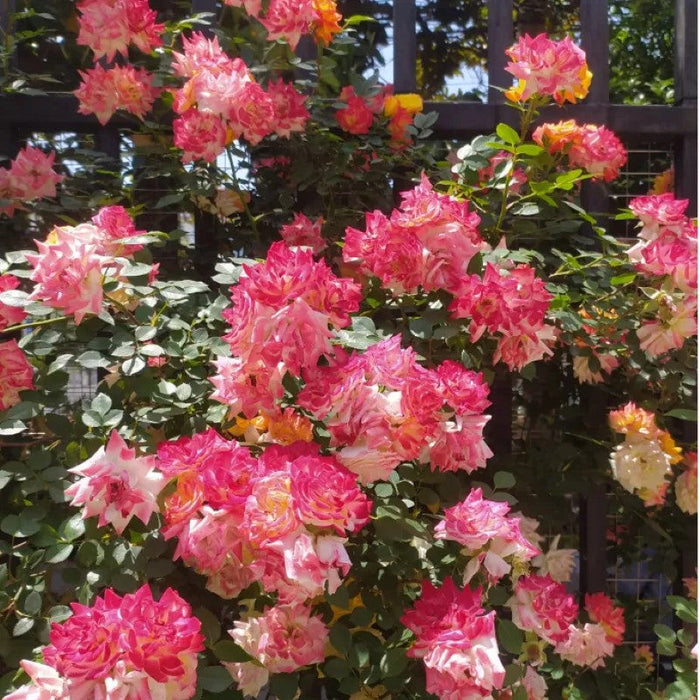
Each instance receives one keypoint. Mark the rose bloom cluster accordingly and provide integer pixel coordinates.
(382, 408)
(548, 68)
(488, 536)
(667, 252)
(280, 519)
(600, 328)
(284, 316)
(120, 648)
(642, 463)
(357, 114)
(541, 605)
(116, 485)
(291, 19)
(30, 176)
(109, 27)
(304, 232)
(281, 639)
(456, 639)
(103, 91)
(426, 243)
(509, 303)
(74, 261)
(594, 149)
(220, 101)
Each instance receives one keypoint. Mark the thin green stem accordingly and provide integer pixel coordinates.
(525, 121)
(34, 324)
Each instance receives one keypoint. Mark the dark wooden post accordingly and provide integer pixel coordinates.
(594, 41)
(686, 89)
(500, 37)
(405, 48)
(592, 539)
(594, 197)
(204, 224)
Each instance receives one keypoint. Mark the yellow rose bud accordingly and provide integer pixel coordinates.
(409, 101)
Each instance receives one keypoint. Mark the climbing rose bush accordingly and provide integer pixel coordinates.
(291, 476)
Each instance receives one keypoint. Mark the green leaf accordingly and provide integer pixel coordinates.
(72, 528)
(421, 327)
(340, 638)
(684, 414)
(529, 149)
(32, 603)
(228, 650)
(621, 280)
(58, 552)
(503, 480)
(59, 613)
(336, 668)
(510, 637)
(23, 525)
(133, 365)
(144, 333)
(685, 609)
(393, 662)
(664, 632)
(682, 689)
(169, 199)
(665, 647)
(514, 672)
(12, 427)
(211, 629)
(101, 403)
(215, 679)
(92, 360)
(508, 134)
(284, 686)
(23, 625)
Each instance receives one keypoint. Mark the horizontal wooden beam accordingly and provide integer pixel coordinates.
(53, 112)
(461, 119)
(59, 112)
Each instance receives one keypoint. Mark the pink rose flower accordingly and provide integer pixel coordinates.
(133, 645)
(103, 91)
(10, 315)
(304, 232)
(541, 605)
(326, 495)
(46, 684)
(291, 114)
(282, 639)
(109, 26)
(585, 646)
(16, 374)
(611, 619)
(116, 485)
(456, 640)
(546, 67)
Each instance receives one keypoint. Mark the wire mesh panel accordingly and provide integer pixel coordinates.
(639, 586)
(82, 384)
(649, 169)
